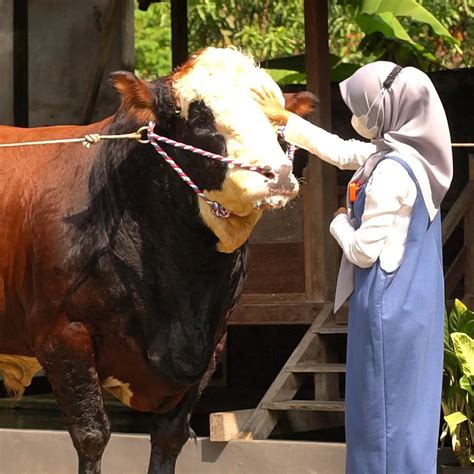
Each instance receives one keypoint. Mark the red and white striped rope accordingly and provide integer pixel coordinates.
(265, 170)
(217, 209)
(291, 149)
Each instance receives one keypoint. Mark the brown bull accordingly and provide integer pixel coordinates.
(113, 273)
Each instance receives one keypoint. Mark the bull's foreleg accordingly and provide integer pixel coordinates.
(168, 433)
(68, 358)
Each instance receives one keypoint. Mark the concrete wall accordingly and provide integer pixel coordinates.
(63, 45)
(35, 452)
(6, 62)
(63, 40)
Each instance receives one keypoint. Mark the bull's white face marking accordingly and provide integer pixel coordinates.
(223, 79)
(120, 390)
(18, 372)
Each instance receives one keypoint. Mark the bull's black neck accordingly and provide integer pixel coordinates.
(145, 241)
(135, 190)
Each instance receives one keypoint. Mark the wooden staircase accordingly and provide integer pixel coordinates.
(314, 356)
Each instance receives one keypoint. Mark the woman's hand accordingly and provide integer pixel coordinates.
(271, 106)
(341, 210)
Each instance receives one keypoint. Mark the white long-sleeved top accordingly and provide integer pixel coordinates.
(389, 197)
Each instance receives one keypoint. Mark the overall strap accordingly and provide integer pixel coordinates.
(419, 201)
(405, 165)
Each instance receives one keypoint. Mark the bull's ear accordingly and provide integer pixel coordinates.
(136, 94)
(301, 103)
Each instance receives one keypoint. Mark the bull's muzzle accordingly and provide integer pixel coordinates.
(283, 182)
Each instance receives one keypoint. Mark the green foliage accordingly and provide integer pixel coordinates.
(153, 41)
(458, 17)
(458, 381)
(425, 33)
(291, 69)
(386, 37)
(266, 28)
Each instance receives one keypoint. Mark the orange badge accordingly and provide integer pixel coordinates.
(353, 188)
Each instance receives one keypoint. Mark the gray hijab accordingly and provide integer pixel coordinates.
(412, 125)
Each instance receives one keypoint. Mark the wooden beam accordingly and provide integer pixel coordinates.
(320, 192)
(275, 268)
(20, 63)
(6, 62)
(317, 367)
(317, 58)
(455, 272)
(273, 298)
(290, 312)
(312, 405)
(225, 426)
(458, 211)
(179, 32)
(469, 243)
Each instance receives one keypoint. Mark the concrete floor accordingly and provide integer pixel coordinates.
(51, 452)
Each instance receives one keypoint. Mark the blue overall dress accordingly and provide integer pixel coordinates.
(395, 354)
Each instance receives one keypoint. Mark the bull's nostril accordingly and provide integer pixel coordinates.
(268, 173)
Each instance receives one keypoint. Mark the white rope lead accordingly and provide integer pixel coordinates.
(95, 138)
(87, 140)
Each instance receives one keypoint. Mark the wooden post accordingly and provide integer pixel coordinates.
(20, 63)
(469, 244)
(6, 62)
(179, 32)
(320, 193)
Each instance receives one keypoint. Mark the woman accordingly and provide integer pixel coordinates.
(392, 261)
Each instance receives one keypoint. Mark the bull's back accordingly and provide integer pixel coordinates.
(39, 186)
(49, 163)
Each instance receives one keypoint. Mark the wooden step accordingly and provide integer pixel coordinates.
(264, 418)
(340, 329)
(316, 367)
(307, 405)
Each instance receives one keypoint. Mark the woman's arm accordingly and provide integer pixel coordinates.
(345, 154)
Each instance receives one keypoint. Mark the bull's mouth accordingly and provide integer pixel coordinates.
(243, 199)
(275, 199)
(283, 192)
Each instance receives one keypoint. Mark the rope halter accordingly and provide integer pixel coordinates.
(154, 139)
(291, 149)
(216, 208)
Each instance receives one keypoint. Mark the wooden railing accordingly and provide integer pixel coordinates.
(463, 263)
